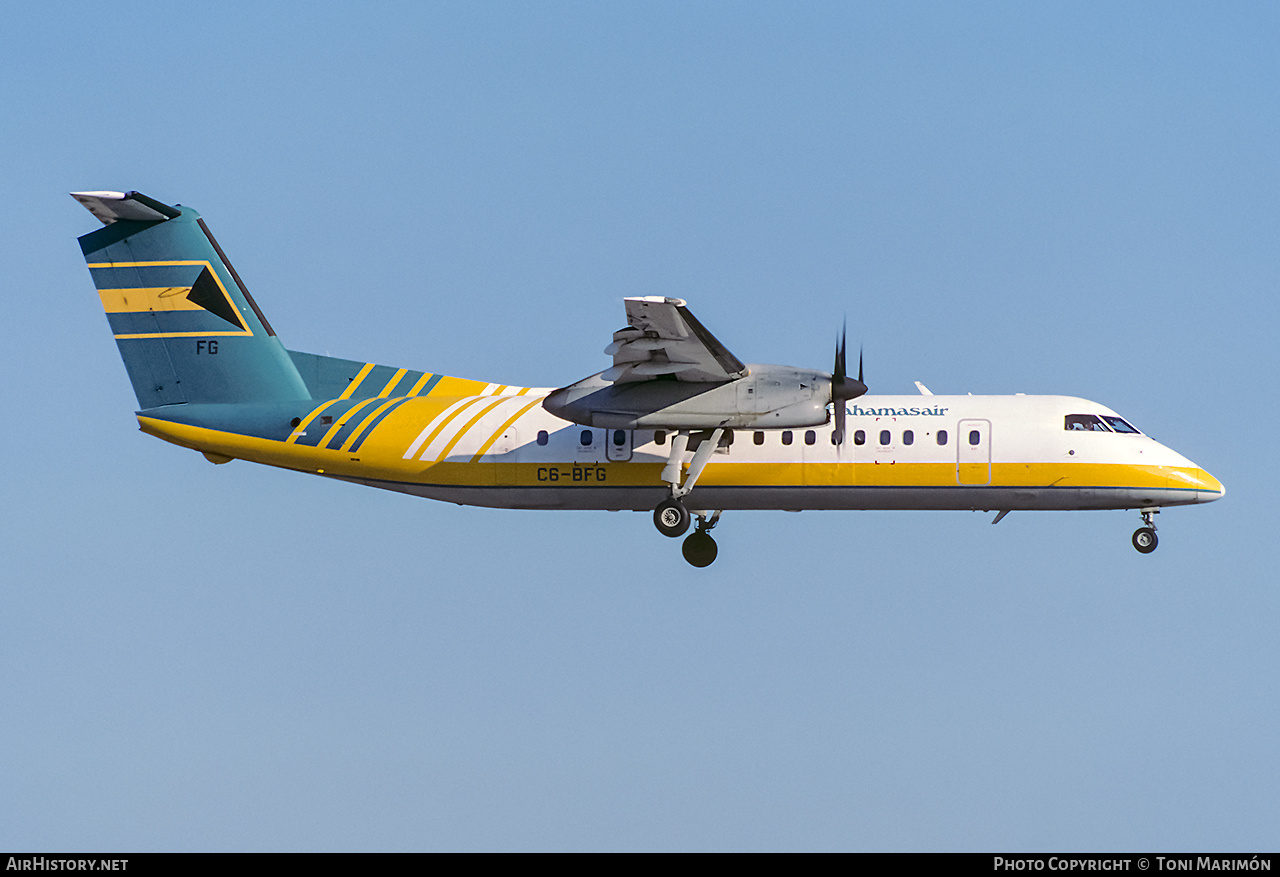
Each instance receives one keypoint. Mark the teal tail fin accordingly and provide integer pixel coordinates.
(186, 326)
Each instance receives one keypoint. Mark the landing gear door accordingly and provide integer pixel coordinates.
(973, 452)
(618, 448)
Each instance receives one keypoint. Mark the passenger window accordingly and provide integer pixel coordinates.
(942, 436)
(884, 437)
(758, 438)
(810, 437)
(585, 438)
(619, 438)
(786, 436)
(975, 437)
(908, 438)
(543, 438)
(727, 439)
(859, 437)
(660, 437)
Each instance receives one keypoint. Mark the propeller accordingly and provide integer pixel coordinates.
(844, 388)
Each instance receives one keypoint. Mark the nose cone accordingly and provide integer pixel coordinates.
(1213, 488)
(1207, 487)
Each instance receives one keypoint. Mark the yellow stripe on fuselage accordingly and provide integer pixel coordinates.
(355, 382)
(342, 421)
(470, 423)
(301, 428)
(450, 386)
(422, 382)
(441, 420)
(493, 438)
(381, 459)
(355, 433)
(391, 384)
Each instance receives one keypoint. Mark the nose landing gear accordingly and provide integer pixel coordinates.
(1144, 538)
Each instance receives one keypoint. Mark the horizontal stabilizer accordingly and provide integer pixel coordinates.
(111, 207)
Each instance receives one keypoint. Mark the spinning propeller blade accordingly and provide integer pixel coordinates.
(844, 388)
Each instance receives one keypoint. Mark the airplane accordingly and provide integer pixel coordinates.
(678, 425)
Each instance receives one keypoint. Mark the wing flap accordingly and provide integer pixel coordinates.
(662, 339)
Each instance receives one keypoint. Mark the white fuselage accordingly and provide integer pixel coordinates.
(902, 452)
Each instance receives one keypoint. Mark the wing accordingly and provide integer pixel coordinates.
(662, 339)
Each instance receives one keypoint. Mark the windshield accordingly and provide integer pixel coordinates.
(1094, 423)
(1119, 424)
(1086, 422)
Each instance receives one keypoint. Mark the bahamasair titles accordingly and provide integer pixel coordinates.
(677, 425)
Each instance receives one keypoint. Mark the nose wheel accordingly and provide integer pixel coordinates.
(1144, 538)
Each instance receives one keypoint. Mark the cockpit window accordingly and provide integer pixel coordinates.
(1085, 422)
(1094, 423)
(1119, 424)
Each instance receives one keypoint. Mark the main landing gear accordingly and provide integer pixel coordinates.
(1144, 538)
(672, 517)
(700, 549)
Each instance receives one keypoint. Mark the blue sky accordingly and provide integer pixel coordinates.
(1040, 198)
